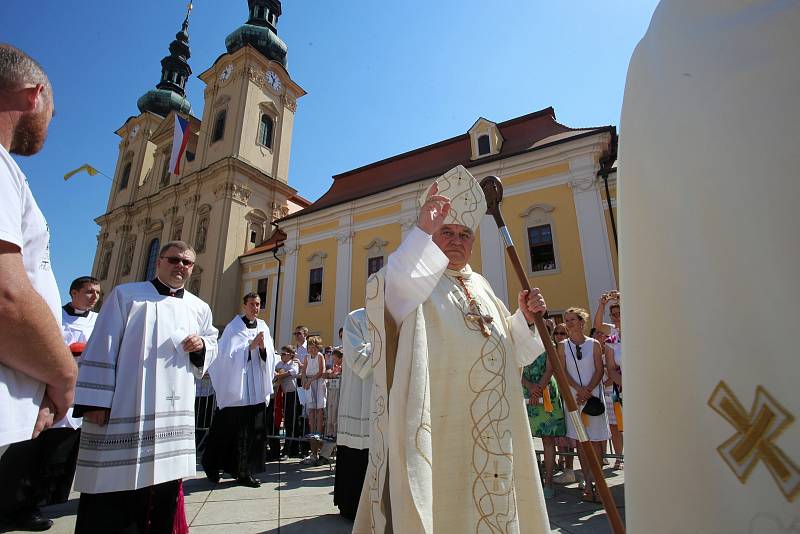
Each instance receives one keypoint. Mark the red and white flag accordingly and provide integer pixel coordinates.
(180, 138)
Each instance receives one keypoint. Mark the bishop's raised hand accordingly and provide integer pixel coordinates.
(434, 211)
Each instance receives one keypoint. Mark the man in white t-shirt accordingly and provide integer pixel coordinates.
(37, 371)
(40, 471)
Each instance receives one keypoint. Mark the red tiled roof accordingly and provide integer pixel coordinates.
(519, 135)
(274, 241)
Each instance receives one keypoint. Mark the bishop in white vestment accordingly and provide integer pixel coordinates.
(450, 445)
(242, 378)
(136, 393)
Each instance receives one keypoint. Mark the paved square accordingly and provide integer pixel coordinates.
(295, 498)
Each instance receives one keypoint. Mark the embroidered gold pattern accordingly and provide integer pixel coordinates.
(377, 459)
(756, 432)
(492, 459)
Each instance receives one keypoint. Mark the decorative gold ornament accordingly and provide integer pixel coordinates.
(756, 432)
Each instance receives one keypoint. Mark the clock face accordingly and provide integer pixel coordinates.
(226, 73)
(273, 80)
(134, 131)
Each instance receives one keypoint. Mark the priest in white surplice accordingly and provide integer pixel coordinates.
(136, 394)
(242, 378)
(450, 445)
(352, 438)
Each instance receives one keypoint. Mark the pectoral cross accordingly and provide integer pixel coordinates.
(475, 316)
(173, 397)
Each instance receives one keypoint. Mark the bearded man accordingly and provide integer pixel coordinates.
(37, 371)
(450, 446)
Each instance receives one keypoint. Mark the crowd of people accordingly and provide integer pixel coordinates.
(116, 398)
(593, 368)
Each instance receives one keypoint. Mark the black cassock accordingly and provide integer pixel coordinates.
(351, 468)
(236, 441)
(38, 472)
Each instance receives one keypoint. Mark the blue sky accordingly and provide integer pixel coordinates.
(382, 78)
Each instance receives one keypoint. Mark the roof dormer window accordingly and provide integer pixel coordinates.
(485, 139)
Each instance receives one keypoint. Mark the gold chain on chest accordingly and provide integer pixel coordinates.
(473, 313)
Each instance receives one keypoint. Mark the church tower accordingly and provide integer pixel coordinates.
(234, 176)
(250, 99)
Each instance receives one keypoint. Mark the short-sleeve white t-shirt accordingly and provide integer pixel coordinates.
(22, 223)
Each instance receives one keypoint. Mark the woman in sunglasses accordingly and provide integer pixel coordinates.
(583, 362)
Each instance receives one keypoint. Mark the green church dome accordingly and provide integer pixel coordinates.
(260, 31)
(162, 101)
(170, 93)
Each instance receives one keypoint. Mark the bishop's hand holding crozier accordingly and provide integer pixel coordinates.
(450, 445)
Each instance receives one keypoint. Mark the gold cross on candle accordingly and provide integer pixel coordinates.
(757, 430)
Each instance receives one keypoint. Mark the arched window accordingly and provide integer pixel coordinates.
(152, 256)
(126, 175)
(265, 131)
(219, 126)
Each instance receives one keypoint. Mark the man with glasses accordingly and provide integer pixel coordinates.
(286, 372)
(300, 335)
(301, 353)
(136, 394)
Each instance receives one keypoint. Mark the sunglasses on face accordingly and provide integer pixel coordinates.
(173, 260)
(298, 333)
(559, 333)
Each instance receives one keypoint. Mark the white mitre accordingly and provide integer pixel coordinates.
(467, 203)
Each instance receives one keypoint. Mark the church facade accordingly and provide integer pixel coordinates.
(234, 176)
(309, 261)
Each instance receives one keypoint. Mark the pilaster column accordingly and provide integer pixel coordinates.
(493, 259)
(288, 282)
(597, 263)
(273, 309)
(344, 261)
(408, 216)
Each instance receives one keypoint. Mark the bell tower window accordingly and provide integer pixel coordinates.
(219, 126)
(125, 177)
(265, 128)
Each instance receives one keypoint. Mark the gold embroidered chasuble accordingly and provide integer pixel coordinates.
(451, 449)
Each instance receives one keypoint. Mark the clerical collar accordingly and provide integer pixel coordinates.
(164, 289)
(70, 309)
(250, 324)
(465, 272)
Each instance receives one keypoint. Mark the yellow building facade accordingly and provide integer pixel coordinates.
(554, 204)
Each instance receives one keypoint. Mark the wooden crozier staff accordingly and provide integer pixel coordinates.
(493, 191)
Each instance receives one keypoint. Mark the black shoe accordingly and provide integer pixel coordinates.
(249, 481)
(33, 522)
(211, 475)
